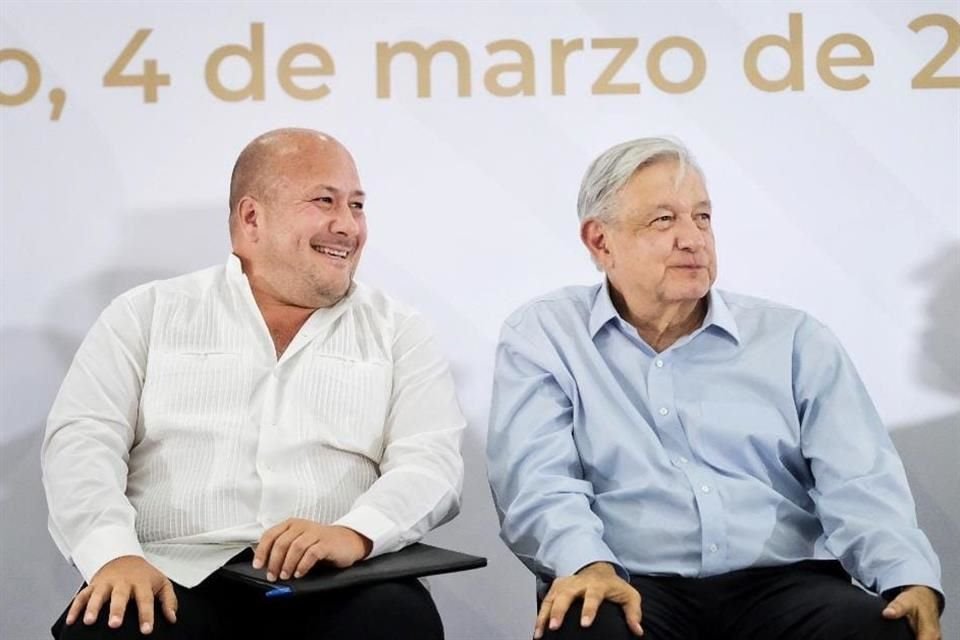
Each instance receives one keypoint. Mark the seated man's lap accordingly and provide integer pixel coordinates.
(397, 610)
(807, 601)
(222, 609)
(668, 613)
(205, 611)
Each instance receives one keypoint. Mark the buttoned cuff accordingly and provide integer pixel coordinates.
(378, 528)
(101, 546)
(574, 553)
(907, 575)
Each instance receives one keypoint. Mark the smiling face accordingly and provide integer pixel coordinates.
(301, 234)
(658, 251)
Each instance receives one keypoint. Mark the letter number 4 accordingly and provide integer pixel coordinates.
(150, 79)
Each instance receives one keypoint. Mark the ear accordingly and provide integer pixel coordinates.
(249, 215)
(593, 234)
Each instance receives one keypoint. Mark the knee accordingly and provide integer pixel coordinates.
(860, 617)
(128, 630)
(609, 624)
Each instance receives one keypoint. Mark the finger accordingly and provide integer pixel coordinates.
(168, 601)
(295, 552)
(79, 602)
(278, 552)
(633, 613)
(118, 605)
(591, 602)
(898, 607)
(97, 597)
(262, 552)
(558, 611)
(143, 595)
(542, 616)
(927, 625)
(311, 557)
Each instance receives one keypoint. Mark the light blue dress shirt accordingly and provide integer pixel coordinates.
(751, 442)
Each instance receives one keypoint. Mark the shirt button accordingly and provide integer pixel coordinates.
(659, 363)
(664, 411)
(714, 548)
(705, 488)
(682, 460)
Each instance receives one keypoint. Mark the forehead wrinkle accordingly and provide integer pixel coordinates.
(328, 187)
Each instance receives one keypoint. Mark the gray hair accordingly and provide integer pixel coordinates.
(615, 166)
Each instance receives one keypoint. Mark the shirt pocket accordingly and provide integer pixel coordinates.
(187, 394)
(347, 402)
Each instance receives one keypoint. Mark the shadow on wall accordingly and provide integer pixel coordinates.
(35, 360)
(930, 449)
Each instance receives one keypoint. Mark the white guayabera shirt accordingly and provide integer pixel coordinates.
(179, 436)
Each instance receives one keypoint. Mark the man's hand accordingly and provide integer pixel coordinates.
(116, 582)
(594, 583)
(921, 606)
(292, 548)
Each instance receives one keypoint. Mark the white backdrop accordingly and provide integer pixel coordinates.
(843, 202)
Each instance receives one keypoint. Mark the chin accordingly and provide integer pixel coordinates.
(689, 294)
(335, 291)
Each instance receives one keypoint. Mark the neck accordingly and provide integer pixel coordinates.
(283, 322)
(661, 324)
(283, 318)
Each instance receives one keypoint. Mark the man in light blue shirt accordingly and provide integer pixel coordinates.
(707, 462)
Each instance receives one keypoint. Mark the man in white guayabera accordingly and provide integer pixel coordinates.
(672, 458)
(271, 403)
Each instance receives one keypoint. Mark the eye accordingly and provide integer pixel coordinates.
(356, 206)
(323, 199)
(662, 222)
(703, 219)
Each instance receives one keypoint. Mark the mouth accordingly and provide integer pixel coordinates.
(333, 252)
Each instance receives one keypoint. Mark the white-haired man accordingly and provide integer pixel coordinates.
(270, 403)
(674, 459)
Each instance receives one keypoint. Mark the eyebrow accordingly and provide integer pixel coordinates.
(669, 207)
(333, 189)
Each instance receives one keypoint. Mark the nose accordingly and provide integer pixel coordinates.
(690, 237)
(343, 222)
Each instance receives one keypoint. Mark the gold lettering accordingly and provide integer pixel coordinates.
(697, 59)
(526, 85)
(603, 84)
(286, 72)
(793, 45)
(927, 77)
(826, 62)
(255, 87)
(424, 57)
(32, 70)
(559, 50)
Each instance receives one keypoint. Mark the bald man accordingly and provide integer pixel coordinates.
(271, 407)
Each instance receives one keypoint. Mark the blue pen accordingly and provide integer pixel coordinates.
(279, 592)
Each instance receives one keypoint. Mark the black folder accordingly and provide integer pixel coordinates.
(414, 561)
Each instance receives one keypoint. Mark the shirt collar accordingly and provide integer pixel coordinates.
(603, 310)
(235, 269)
(720, 316)
(718, 313)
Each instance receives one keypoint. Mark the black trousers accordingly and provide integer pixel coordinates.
(218, 608)
(811, 600)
